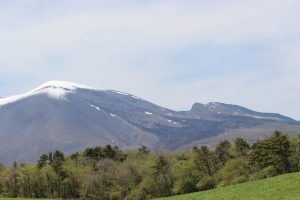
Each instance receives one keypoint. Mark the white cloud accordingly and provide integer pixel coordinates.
(130, 46)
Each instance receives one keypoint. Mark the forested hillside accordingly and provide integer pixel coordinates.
(107, 172)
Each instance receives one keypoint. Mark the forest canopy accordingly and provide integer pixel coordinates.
(109, 173)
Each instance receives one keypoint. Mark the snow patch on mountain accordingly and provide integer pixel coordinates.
(54, 89)
(8, 100)
(135, 97)
(112, 115)
(63, 85)
(96, 107)
(122, 93)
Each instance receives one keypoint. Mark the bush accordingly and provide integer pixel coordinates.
(235, 171)
(186, 177)
(145, 190)
(265, 173)
(206, 183)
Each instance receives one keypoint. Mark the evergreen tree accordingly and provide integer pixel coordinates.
(273, 151)
(295, 154)
(75, 157)
(224, 152)
(143, 150)
(205, 161)
(42, 162)
(163, 176)
(58, 158)
(241, 147)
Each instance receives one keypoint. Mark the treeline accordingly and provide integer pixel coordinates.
(108, 173)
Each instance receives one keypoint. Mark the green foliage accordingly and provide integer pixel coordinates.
(266, 172)
(235, 171)
(274, 151)
(163, 176)
(206, 183)
(224, 152)
(143, 150)
(99, 153)
(186, 177)
(205, 161)
(43, 161)
(241, 147)
(108, 173)
(295, 154)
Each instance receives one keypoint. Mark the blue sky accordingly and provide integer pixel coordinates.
(171, 52)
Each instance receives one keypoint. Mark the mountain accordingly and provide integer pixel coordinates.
(70, 117)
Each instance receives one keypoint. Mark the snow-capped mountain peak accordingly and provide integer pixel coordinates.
(62, 85)
(54, 89)
(70, 117)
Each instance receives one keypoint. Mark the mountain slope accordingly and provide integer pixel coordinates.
(71, 117)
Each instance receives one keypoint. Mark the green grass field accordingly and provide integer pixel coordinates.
(285, 187)
(21, 199)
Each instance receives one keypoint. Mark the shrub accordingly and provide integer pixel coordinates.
(206, 183)
(235, 171)
(266, 172)
(186, 177)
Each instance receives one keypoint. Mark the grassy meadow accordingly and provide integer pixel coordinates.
(285, 187)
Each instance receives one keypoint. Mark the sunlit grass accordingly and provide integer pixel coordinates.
(285, 187)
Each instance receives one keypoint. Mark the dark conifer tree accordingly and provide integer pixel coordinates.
(241, 147)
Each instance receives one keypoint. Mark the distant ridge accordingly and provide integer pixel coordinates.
(70, 117)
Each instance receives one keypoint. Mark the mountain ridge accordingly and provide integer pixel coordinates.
(231, 109)
(70, 117)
